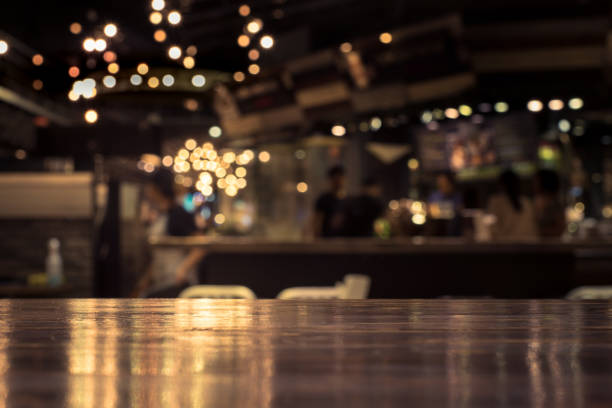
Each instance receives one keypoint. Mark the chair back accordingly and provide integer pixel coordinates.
(590, 293)
(353, 287)
(217, 292)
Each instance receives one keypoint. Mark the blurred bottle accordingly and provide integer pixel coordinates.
(54, 264)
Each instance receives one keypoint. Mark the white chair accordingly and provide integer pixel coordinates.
(217, 292)
(590, 293)
(353, 287)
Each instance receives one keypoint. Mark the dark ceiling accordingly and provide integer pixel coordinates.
(473, 38)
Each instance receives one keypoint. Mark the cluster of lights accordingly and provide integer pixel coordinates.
(534, 105)
(174, 18)
(555, 105)
(83, 89)
(416, 209)
(211, 168)
(252, 28)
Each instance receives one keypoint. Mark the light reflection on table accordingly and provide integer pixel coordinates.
(196, 353)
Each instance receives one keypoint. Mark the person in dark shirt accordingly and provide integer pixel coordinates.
(328, 207)
(174, 268)
(362, 211)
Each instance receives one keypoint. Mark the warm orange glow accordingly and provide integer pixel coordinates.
(244, 10)
(302, 187)
(254, 26)
(160, 35)
(239, 76)
(188, 62)
(254, 69)
(385, 38)
(244, 40)
(37, 60)
(556, 105)
(74, 71)
(346, 47)
(192, 50)
(113, 68)
(153, 82)
(156, 17)
(110, 56)
(76, 28)
(91, 116)
(142, 68)
(37, 84)
(264, 156)
(253, 55)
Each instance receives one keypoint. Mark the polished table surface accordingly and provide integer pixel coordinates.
(205, 353)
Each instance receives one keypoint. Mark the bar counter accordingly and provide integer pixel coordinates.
(386, 353)
(406, 268)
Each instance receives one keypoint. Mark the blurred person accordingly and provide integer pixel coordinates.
(549, 211)
(327, 221)
(171, 269)
(360, 212)
(445, 205)
(514, 213)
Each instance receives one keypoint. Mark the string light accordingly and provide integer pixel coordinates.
(37, 85)
(175, 52)
(338, 130)
(501, 107)
(192, 50)
(556, 105)
(153, 82)
(89, 44)
(156, 17)
(266, 42)
(535, 105)
(302, 187)
(158, 5)
(254, 26)
(575, 104)
(76, 28)
(253, 55)
(160, 35)
(91, 116)
(198, 81)
(142, 68)
(174, 17)
(188, 62)
(37, 60)
(109, 81)
(110, 30)
(215, 131)
(346, 47)
(74, 72)
(136, 80)
(239, 76)
(243, 40)
(168, 80)
(254, 69)
(451, 113)
(264, 156)
(100, 45)
(385, 38)
(113, 68)
(109, 56)
(244, 10)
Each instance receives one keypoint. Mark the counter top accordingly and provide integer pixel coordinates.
(205, 353)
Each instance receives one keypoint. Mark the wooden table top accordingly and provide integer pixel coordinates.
(205, 353)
